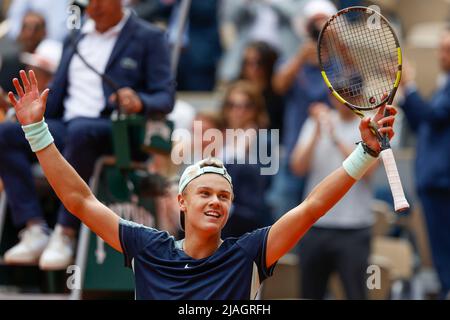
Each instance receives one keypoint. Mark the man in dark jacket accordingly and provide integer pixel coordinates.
(431, 122)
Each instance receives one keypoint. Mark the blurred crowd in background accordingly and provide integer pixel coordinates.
(252, 64)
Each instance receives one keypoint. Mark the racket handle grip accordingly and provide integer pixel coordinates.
(400, 202)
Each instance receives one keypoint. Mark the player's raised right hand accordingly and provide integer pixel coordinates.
(30, 107)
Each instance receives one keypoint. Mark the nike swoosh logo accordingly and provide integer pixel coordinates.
(186, 266)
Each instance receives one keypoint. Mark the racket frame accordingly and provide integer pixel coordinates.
(391, 95)
(400, 202)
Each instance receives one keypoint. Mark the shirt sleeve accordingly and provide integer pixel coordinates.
(255, 244)
(135, 237)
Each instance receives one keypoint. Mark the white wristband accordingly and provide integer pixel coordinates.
(38, 135)
(358, 162)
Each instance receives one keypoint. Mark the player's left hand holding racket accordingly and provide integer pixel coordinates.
(361, 61)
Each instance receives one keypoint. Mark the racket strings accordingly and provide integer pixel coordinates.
(364, 58)
(360, 61)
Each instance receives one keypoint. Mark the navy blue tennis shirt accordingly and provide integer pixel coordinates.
(162, 270)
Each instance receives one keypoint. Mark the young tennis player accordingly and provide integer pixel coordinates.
(201, 266)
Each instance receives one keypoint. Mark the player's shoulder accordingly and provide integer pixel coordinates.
(251, 239)
(143, 229)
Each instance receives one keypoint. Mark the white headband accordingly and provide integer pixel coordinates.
(194, 171)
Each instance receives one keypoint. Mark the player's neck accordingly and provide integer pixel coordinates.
(199, 247)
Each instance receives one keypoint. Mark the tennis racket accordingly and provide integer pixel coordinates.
(361, 61)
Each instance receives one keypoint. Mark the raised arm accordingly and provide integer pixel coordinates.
(68, 185)
(287, 73)
(291, 227)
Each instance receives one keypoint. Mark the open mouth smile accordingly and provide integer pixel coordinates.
(213, 214)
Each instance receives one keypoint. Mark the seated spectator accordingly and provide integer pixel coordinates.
(54, 13)
(32, 32)
(78, 110)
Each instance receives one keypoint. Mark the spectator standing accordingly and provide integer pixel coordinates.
(430, 120)
(339, 241)
(300, 80)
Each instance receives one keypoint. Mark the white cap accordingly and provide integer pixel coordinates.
(316, 7)
(46, 57)
(209, 165)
